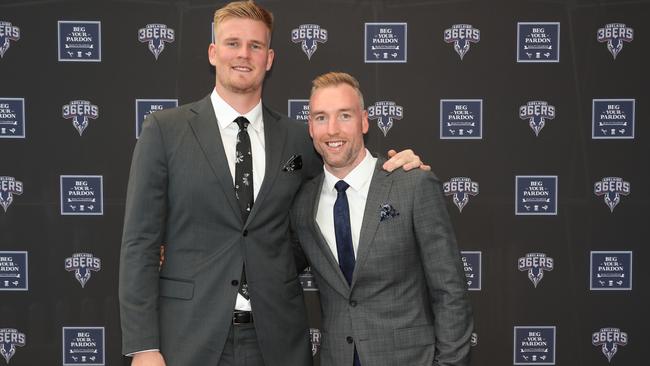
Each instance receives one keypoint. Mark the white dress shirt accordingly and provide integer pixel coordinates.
(359, 180)
(228, 128)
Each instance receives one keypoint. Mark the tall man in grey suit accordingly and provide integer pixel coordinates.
(380, 245)
(214, 180)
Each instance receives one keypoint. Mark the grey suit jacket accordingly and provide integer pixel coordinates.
(181, 193)
(407, 304)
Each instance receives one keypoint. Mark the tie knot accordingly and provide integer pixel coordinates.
(341, 186)
(242, 122)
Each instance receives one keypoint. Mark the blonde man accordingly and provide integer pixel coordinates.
(380, 245)
(213, 180)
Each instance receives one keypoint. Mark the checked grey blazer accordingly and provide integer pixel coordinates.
(407, 305)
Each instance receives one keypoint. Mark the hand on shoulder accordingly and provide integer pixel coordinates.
(406, 159)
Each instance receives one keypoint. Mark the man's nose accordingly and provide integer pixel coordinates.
(243, 52)
(332, 126)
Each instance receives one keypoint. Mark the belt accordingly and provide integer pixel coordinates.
(242, 317)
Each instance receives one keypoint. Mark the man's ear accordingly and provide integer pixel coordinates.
(364, 122)
(269, 59)
(310, 125)
(212, 54)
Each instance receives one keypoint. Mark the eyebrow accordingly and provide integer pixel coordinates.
(239, 39)
(315, 112)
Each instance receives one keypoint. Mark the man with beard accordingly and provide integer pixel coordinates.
(381, 247)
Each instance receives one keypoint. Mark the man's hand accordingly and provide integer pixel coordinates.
(405, 159)
(148, 358)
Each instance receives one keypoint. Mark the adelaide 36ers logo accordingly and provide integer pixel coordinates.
(385, 112)
(615, 34)
(460, 188)
(82, 264)
(535, 264)
(462, 35)
(309, 35)
(314, 336)
(8, 33)
(611, 188)
(9, 339)
(536, 112)
(8, 187)
(609, 339)
(80, 111)
(156, 35)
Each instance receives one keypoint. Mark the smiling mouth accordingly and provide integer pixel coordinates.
(242, 68)
(335, 144)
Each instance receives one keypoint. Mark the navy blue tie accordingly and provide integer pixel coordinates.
(356, 358)
(343, 232)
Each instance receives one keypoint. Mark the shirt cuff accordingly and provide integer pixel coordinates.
(146, 350)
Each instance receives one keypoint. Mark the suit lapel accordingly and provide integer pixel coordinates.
(377, 195)
(316, 185)
(206, 130)
(275, 135)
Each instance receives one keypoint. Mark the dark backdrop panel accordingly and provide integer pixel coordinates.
(489, 71)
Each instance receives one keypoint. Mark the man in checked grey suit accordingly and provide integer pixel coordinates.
(380, 245)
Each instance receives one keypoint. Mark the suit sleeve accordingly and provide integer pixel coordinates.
(144, 230)
(298, 253)
(446, 283)
(312, 162)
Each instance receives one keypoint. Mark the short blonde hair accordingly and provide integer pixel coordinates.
(331, 79)
(246, 10)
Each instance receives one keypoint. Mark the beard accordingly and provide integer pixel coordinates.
(340, 160)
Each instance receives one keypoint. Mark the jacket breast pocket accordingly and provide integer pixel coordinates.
(178, 289)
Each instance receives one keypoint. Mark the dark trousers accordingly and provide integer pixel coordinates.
(241, 348)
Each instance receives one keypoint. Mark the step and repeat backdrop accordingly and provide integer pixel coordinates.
(533, 113)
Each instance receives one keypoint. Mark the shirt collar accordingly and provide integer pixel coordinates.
(358, 178)
(226, 114)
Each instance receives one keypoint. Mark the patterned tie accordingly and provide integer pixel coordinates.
(244, 169)
(244, 184)
(343, 232)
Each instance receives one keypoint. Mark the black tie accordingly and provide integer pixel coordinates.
(244, 183)
(343, 232)
(244, 169)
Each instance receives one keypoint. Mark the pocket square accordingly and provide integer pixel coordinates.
(294, 163)
(387, 211)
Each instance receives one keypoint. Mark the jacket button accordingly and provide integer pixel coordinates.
(349, 339)
(353, 303)
(245, 233)
(234, 283)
